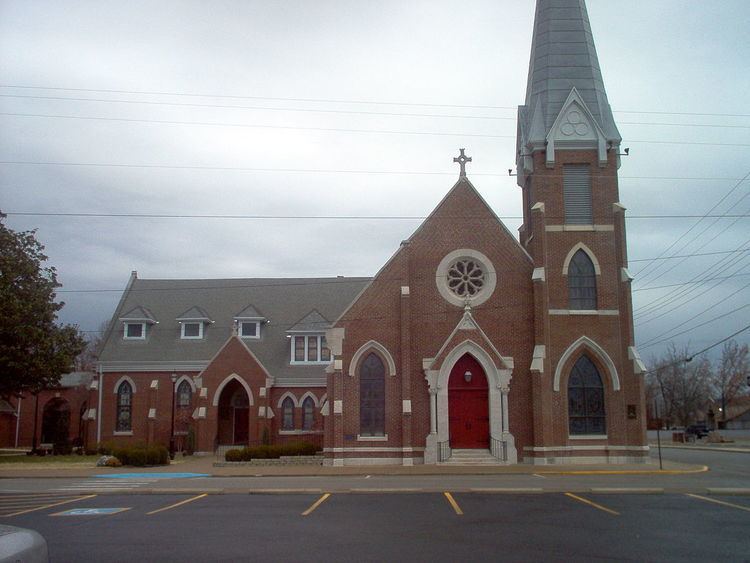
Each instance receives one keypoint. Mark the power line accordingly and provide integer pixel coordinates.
(643, 271)
(336, 101)
(335, 129)
(683, 284)
(333, 171)
(644, 346)
(307, 217)
(267, 108)
(342, 112)
(723, 300)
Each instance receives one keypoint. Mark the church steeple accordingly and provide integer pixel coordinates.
(564, 72)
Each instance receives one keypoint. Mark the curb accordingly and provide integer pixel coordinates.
(704, 448)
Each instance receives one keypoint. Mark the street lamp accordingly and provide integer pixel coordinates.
(171, 432)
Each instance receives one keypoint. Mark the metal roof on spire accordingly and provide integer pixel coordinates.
(563, 57)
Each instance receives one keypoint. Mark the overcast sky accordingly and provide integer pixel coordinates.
(356, 108)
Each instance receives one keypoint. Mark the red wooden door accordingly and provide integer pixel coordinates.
(468, 405)
(241, 425)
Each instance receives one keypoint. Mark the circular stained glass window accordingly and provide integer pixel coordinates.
(466, 277)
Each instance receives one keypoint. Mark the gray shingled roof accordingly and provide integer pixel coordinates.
(563, 56)
(284, 301)
(138, 314)
(194, 314)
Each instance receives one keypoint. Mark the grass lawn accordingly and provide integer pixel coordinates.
(51, 461)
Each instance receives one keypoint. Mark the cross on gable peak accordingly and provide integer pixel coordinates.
(462, 159)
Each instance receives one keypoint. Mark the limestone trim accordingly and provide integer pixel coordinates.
(638, 366)
(290, 395)
(383, 438)
(600, 312)
(574, 128)
(119, 382)
(375, 346)
(537, 361)
(441, 277)
(498, 380)
(578, 228)
(187, 378)
(594, 348)
(226, 381)
(582, 447)
(588, 251)
(467, 322)
(312, 396)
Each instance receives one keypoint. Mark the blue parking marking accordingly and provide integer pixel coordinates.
(152, 475)
(90, 511)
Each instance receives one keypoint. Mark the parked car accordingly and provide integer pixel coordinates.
(697, 430)
(20, 544)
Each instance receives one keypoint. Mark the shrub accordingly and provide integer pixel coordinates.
(234, 455)
(271, 452)
(140, 455)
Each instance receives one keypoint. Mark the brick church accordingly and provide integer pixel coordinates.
(471, 344)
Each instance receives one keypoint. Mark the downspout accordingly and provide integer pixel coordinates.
(99, 407)
(18, 419)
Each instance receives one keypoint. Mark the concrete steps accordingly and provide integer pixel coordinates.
(471, 457)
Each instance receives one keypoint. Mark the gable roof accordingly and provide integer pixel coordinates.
(284, 302)
(312, 322)
(139, 313)
(249, 312)
(194, 314)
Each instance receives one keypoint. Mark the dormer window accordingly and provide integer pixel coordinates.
(192, 330)
(310, 349)
(135, 331)
(193, 323)
(308, 343)
(134, 323)
(248, 329)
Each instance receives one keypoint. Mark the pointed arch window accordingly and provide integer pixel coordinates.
(308, 406)
(585, 399)
(287, 414)
(124, 408)
(581, 282)
(184, 394)
(372, 396)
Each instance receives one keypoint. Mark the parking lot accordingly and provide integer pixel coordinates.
(369, 527)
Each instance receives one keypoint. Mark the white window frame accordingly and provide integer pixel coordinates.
(307, 337)
(182, 330)
(241, 322)
(125, 331)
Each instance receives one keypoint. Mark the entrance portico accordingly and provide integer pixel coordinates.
(497, 371)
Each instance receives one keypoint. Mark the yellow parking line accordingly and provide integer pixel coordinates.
(175, 505)
(454, 504)
(49, 506)
(592, 503)
(316, 504)
(715, 501)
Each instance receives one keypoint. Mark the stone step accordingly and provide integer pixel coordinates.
(471, 457)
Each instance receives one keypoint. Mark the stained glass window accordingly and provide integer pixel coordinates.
(307, 414)
(287, 414)
(581, 282)
(586, 399)
(372, 396)
(184, 394)
(124, 407)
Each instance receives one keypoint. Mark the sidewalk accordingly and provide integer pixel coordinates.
(206, 465)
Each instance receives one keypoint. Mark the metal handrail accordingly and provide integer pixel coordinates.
(444, 451)
(499, 449)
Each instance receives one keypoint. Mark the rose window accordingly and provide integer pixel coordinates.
(466, 277)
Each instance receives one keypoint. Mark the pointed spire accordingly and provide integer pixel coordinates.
(563, 57)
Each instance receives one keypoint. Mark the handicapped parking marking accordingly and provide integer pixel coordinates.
(90, 511)
(151, 475)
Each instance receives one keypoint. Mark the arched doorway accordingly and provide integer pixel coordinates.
(234, 415)
(468, 405)
(56, 422)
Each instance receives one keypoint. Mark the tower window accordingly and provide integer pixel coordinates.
(577, 194)
(581, 282)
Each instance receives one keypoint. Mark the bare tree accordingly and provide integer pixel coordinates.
(87, 359)
(682, 383)
(729, 378)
